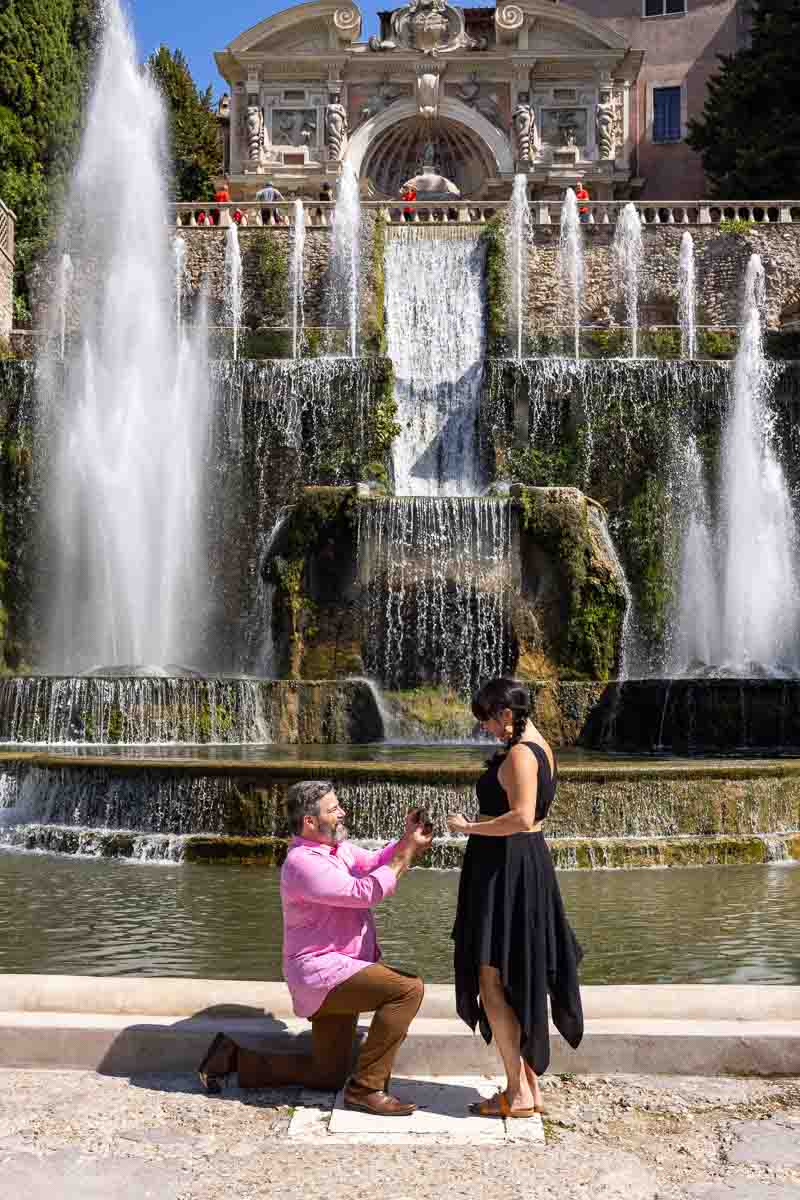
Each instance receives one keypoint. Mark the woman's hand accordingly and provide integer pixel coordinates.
(458, 823)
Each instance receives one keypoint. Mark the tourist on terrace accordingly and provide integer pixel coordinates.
(408, 194)
(582, 196)
(513, 943)
(221, 196)
(332, 961)
(269, 194)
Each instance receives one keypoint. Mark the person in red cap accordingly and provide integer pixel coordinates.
(581, 195)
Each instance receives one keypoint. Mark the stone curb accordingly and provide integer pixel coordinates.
(131, 1044)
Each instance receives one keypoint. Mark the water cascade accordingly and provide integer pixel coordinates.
(687, 299)
(63, 288)
(519, 239)
(570, 251)
(436, 334)
(179, 252)
(344, 282)
(756, 619)
(126, 555)
(437, 574)
(296, 276)
(628, 252)
(233, 286)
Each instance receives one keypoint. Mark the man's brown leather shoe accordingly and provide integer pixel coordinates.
(380, 1104)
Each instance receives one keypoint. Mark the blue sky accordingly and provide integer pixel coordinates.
(200, 28)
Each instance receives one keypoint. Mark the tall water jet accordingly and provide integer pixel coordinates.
(63, 288)
(436, 334)
(760, 601)
(179, 252)
(687, 298)
(126, 561)
(296, 276)
(694, 641)
(232, 292)
(628, 252)
(570, 253)
(519, 237)
(343, 295)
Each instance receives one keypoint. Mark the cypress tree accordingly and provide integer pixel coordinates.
(749, 134)
(196, 149)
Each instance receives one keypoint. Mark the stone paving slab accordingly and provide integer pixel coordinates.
(442, 1116)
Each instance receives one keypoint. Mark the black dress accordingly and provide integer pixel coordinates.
(510, 915)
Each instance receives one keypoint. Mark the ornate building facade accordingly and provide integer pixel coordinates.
(465, 98)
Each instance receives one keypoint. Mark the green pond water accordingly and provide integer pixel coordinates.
(99, 917)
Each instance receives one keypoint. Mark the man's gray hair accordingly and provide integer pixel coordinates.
(302, 800)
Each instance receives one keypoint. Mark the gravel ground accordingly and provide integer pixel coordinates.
(75, 1135)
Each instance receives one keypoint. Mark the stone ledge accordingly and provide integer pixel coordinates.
(155, 996)
(123, 1045)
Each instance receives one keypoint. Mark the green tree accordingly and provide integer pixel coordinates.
(45, 51)
(749, 132)
(196, 149)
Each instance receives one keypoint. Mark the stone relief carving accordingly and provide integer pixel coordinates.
(385, 94)
(336, 130)
(347, 23)
(523, 123)
(294, 126)
(470, 91)
(254, 130)
(427, 93)
(604, 125)
(430, 26)
(560, 124)
(509, 19)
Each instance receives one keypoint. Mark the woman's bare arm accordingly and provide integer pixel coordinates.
(520, 777)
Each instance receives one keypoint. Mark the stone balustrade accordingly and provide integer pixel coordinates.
(463, 212)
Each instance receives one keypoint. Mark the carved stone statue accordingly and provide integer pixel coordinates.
(255, 132)
(336, 130)
(430, 26)
(470, 89)
(604, 124)
(523, 122)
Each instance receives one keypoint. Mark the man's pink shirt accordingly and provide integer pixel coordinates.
(327, 893)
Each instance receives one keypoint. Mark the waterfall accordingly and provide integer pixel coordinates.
(232, 292)
(126, 554)
(627, 251)
(135, 710)
(63, 289)
(435, 302)
(436, 576)
(759, 601)
(259, 638)
(296, 276)
(687, 300)
(518, 240)
(570, 253)
(344, 276)
(597, 520)
(179, 253)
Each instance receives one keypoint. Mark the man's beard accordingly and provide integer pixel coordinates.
(340, 834)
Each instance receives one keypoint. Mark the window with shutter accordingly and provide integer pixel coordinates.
(667, 114)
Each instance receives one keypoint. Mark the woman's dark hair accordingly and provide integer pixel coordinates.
(497, 694)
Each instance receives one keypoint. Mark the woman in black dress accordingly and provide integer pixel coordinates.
(513, 944)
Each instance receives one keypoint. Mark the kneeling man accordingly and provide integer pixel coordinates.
(331, 959)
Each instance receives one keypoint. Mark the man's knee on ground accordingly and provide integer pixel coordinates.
(416, 989)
